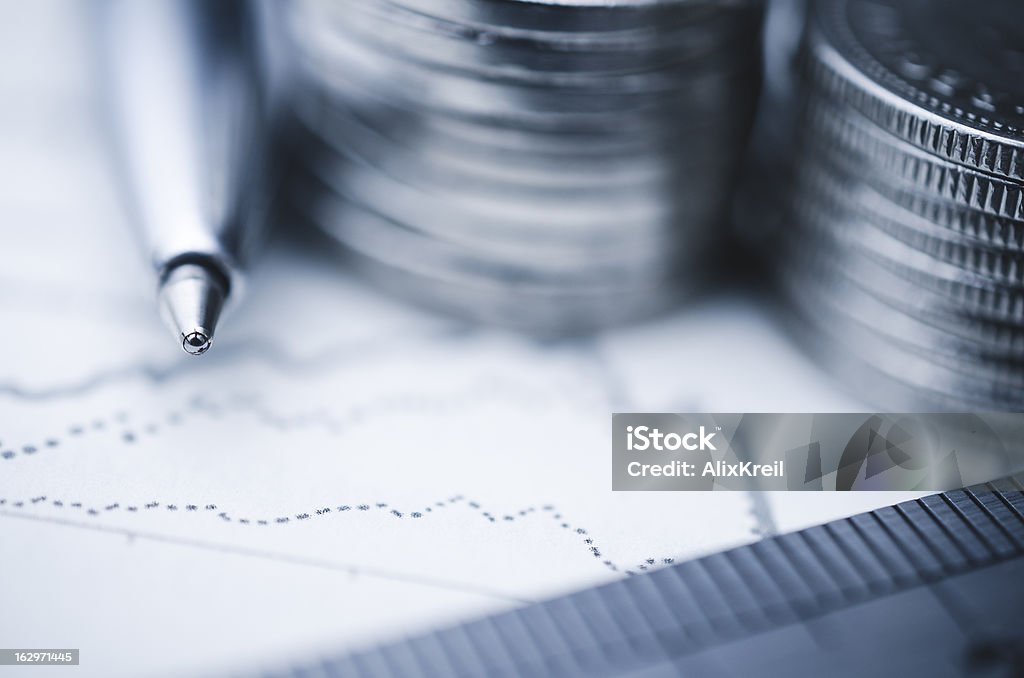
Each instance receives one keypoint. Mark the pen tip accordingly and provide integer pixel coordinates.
(191, 300)
(196, 342)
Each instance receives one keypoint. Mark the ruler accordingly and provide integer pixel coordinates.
(931, 586)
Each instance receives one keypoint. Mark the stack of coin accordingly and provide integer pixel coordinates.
(554, 165)
(904, 251)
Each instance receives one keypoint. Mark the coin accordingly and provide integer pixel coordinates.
(894, 160)
(901, 251)
(544, 165)
(944, 75)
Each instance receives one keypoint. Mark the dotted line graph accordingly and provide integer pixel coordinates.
(547, 511)
(254, 350)
(130, 431)
(80, 429)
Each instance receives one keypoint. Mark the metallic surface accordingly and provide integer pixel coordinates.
(942, 74)
(186, 117)
(191, 301)
(901, 250)
(925, 587)
(551, 166)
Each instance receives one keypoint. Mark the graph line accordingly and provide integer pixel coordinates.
(130, 430)
(289, 558)
(213, 511)
(252, 350)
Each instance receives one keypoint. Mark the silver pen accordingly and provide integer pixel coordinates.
(188, 122)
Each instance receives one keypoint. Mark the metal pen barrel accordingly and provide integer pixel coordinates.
(187, 122)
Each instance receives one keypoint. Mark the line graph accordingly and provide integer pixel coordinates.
(132, 429)
(251, 350)
(149, 408)
(124, 426)
(272, 555)
(211, 510)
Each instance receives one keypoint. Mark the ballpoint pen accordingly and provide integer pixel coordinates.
(187, 119)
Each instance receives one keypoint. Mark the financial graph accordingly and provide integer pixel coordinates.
(120, 430)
